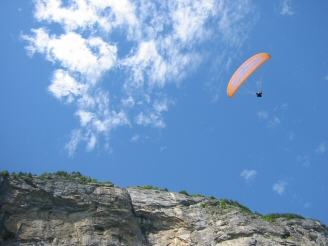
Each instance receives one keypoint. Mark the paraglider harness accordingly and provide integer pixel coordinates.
(259, 94)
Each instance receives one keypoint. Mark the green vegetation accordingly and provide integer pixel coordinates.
(196, 195)
(20, 175)
(225, 203)
(5, 173)
(222, 203)
(75, 176)
(150, 187)
(275, 216)
(183, 192)
(60, 175)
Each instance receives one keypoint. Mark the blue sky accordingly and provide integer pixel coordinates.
(135, 92)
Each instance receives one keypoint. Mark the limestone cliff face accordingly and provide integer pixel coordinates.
(61, 212)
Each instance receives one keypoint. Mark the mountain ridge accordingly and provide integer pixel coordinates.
(56, 210)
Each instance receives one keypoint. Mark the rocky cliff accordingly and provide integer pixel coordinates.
(36, 211)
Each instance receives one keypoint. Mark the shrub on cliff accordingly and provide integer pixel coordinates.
(5, 173)
(275, 216)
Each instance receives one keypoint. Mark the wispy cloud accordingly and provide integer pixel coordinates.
(148, 43)
(280, 187)
(291, 135)
(322, 148)
(76, 137)
(273, 122)
(307, 204)
(263, 115)
(139, 138)
(284, 107)
(270, 121)
(305, 160)
(135, 138)
(65, 86)
(286, 7)
(248, 175)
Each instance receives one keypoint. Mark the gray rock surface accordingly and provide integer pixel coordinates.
(61, 212)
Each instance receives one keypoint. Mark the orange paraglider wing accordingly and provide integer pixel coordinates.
(246, 70)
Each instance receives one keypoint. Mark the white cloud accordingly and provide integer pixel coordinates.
(135, 138)
(232, 24)
(162, 105)
(163, 38)
(91, 142)
(322, 148)
(89, 57)
(305, 160)
(76, 137)
(147, 56)
(286, 8)
(291, 135)
(307, 204)
(248, 175)
(190, 18)
(275, 121)
(95, 118)
(128, 102)
(263, 115)
(162, 149)
(85, 117)
(155, 120)
(63, 85)
(280, 187)
(284, 107)
(82, 14)
(270, 122)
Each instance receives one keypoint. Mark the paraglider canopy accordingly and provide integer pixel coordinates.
(246, 70)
